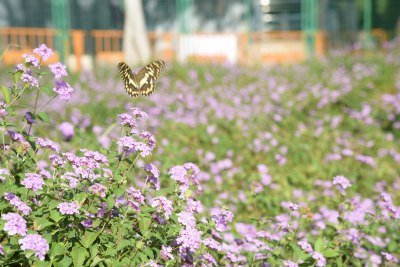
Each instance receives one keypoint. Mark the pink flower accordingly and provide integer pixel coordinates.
(43, 51)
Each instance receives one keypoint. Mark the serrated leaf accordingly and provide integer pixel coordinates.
(330, 253)
(96, 223)
(81, 197)
(110, 252)
(65, 262)
(53, 204)
(110, 201)
(144, 224)
(6, 94)
(119, 192)
(42, 223)
(123, 244)
(96, 260)
(88, 238)
(143, 257)
(319, 245)
(79, 255)
(148, 252)
(93, 250)
(43, 117)
(55, 215)
(57, 249)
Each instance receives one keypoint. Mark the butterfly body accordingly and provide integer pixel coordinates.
(142, 82)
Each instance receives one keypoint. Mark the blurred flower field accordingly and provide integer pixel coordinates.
(222, 166)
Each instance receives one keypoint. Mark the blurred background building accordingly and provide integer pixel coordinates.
(234, 31)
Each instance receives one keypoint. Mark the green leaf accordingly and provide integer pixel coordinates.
(65, 262)
(330, 253)
(148, 252)
(42, 264)
(43, 117)
(123, 244)
(6, 94)
(81, 197)
(319, 245)
(42, 223)
(144, 224)
(88, 238)
(53, 204)
(96, 223)
(143, 257)
(96, 260)
(55, 215)
(57, 249)
(110, 202)
(78, 254)
(119, 192)
(93, 250)
(17, 75)
(47, 90)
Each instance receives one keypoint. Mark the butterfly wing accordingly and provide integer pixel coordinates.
(147, 77)
(129, 78)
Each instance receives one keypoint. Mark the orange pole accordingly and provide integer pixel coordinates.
(78, 44)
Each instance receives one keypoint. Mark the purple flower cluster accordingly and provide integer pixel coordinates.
(59, 70)
(166, 253)
(17, 203)
(15, 224)
(189, 240)
(98, 189)
(57, 161)
(153, 175)
(130, 145)
(342, 183)
(43, 51)
(67, 130)
(221, 218)
(185, 175)
(209, 259)
(305, 246)
(319, 258)
(85, 166)
(163, 205)
(72, 179)
(33, 181)
(187, 219)
(63, 89)
(31, 60)
(138, 113)
(3, 173)
(126, 120)
(3, 111)
(46, 143)
(68, 208)
(30, 80)
(387, 205)
(134, 198)
(36, 243)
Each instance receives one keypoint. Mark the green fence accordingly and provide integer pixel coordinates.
(340, 20)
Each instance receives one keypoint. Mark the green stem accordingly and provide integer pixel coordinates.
(51, 99)
(133, 163)
(15, 99)
(34, 110)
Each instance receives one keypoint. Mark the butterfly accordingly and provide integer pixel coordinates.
(142, 82)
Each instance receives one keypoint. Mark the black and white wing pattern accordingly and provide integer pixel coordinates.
(144, 81)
